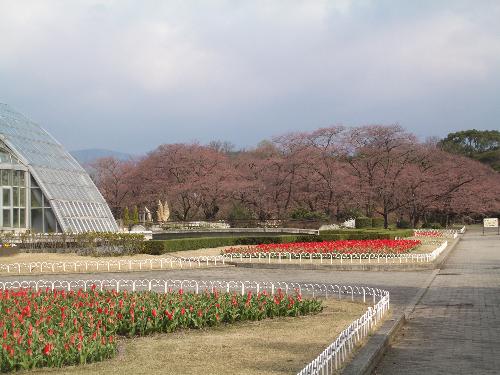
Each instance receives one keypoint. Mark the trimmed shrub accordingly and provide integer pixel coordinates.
(377, 222)
(363, 222)
(264, 240)
(364, 234)
(431, 226)
(157, 247)
(304, 214)
(403, 224)
(153, 247)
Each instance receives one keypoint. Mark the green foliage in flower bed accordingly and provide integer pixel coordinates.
(57, 328)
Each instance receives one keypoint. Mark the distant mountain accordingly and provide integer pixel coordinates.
(89, 155)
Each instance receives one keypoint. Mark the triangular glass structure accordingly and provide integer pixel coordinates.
(59, 195)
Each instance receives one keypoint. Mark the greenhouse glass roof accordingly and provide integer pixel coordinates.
(77, 204)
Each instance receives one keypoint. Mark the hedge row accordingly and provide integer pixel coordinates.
(157, 247)
(368, 222)
(365, 236)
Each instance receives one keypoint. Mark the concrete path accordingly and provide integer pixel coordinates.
(403, 286)
(455, 329)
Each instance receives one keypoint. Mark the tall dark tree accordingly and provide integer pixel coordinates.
(482, 145)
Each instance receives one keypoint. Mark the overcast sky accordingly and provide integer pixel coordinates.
(129, 75)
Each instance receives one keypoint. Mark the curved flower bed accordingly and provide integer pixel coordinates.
(332, 247)
(57, 328)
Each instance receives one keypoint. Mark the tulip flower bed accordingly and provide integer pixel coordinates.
(334, 248)
(58, 328)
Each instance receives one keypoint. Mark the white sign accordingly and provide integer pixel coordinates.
(491, 222)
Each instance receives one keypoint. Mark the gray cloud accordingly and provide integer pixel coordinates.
(133, 74)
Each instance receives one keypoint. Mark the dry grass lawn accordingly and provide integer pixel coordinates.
(73, 257)
(92, 267)
(273, 346)
(424, 248)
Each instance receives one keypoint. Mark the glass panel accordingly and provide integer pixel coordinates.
(22, 178)
(22, 197)
(15, 181)
(15, 196)
(37, 220)
(22, 217)
(4, 157)
(6, 177)
(6, 197)
(50, 221)
(6, 218)
(33, 182)
(36, 198)
(15, 217)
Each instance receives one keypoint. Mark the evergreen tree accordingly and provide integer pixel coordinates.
(126, 217)
(135, 216)
(482, 145)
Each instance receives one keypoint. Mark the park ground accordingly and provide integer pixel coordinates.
(455, 328)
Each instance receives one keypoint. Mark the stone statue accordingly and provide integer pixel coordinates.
(163, 212)
(159, 212)
(166, 211)
(149, 217)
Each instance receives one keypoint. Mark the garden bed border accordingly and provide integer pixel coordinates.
(330, 360)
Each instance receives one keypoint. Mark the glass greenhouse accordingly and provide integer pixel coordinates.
(43, 188)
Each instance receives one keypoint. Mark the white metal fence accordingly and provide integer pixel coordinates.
(113, 265)
(119, 265)
(450, 233)
(343, 258)
(326, 363)
(332, 358)
(362, 293)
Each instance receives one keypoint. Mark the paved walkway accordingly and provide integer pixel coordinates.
(455, 329)
(403, 286)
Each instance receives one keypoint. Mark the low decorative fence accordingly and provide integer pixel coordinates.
(449, 233)
(330, 360)
(362, 293)
(343, 258)
(119, 265)
(113, 265)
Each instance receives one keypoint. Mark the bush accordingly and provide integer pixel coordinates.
(363, 222)
(153, 247)
(364, 234)
(88, 243)
(263, 240)
(431, 226)
(239, 214)
(158, 247)
(304, 214)
(378, 222)
(403, 224)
